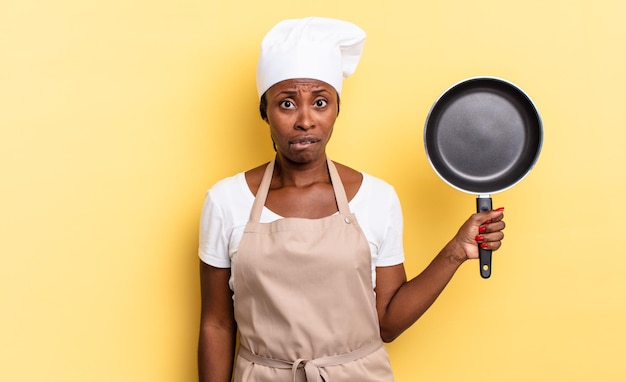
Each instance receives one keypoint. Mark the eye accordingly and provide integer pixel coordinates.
(287, 104)
(321, 103)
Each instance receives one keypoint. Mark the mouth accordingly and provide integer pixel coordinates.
(303, 142)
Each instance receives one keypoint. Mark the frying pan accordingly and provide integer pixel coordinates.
(482, 136)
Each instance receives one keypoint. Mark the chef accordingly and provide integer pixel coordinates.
(302, 256)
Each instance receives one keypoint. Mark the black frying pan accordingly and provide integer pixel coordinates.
(482, 136)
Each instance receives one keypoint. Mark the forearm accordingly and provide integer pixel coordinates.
(414, 297)
(216, 350)
(216, 344)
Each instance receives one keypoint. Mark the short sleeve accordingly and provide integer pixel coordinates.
(391, 249)
(377, 207)
(214, 239)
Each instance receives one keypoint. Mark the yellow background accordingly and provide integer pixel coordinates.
(116, 116)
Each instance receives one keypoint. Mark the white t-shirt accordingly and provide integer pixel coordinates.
(227, 210)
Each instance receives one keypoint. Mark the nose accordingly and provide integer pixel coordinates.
(305, 120)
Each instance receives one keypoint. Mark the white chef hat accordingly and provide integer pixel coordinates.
(319, 48)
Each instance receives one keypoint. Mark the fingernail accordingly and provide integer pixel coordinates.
(500, 209)
(483, 245)
(482, 229)
(479, 238)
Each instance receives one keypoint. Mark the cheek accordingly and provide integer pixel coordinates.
(276, 124)
(330, 119)
(277, 130)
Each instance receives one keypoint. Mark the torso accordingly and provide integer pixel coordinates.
(293, 324)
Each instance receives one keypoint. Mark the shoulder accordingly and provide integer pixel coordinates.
(229, 190)
(378, 188)
(352, 179)
(352, 176)
(363, 186)
(377, 197)
(253, 177)
(227, 203)
(348, 174)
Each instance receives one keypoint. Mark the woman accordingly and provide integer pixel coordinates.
(303, 256)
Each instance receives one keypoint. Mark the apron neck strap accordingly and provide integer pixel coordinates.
(340, 192)
(261, 195)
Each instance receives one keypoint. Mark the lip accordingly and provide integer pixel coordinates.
(304, 141)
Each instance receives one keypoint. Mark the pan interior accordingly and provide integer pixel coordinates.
(483, 135)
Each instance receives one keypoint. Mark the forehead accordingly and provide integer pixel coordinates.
(300, 84)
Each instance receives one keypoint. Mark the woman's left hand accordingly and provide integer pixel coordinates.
(481, 229)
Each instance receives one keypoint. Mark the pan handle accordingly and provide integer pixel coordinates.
(483, 203)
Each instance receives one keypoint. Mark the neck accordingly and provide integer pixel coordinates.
(291, 174)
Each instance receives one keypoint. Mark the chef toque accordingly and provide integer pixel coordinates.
(318, 48)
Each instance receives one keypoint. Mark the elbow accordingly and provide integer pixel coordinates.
(388, 338)
(387, 335)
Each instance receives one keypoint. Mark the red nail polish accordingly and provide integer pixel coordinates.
(482, 229)
(483, 245)
(479, 238)
(500, 209)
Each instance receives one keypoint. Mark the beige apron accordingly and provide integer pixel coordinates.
(303, 298)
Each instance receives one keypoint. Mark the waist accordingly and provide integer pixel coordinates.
(313, 368)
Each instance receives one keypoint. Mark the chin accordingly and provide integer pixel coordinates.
(303, 158)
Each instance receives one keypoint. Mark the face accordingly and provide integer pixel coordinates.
(301, 114)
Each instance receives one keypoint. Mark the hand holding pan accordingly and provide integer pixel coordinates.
(482, 136)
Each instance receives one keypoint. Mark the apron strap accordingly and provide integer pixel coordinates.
(340, 192)
(261, 195)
